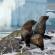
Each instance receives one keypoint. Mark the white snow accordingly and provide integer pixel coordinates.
(13, 53)
(19, 37)
(50, 34)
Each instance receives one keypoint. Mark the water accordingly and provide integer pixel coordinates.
(4, 34)
(50, 28)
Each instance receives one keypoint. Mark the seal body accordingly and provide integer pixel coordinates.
(39, 30)
(26, 31)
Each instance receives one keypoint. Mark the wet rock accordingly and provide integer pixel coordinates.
(10, 45)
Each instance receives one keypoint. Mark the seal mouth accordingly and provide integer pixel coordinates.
(46, 17)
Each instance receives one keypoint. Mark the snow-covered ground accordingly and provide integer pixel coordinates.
(50, 34)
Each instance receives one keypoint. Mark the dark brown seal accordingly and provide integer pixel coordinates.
(41, 25)
(26, 31)
(39, 31)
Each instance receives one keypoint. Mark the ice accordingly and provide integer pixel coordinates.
(32, 9)
(19, 11)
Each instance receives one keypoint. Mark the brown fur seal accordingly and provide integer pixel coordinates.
(39, 31)
(26, 31)
(41, 25)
